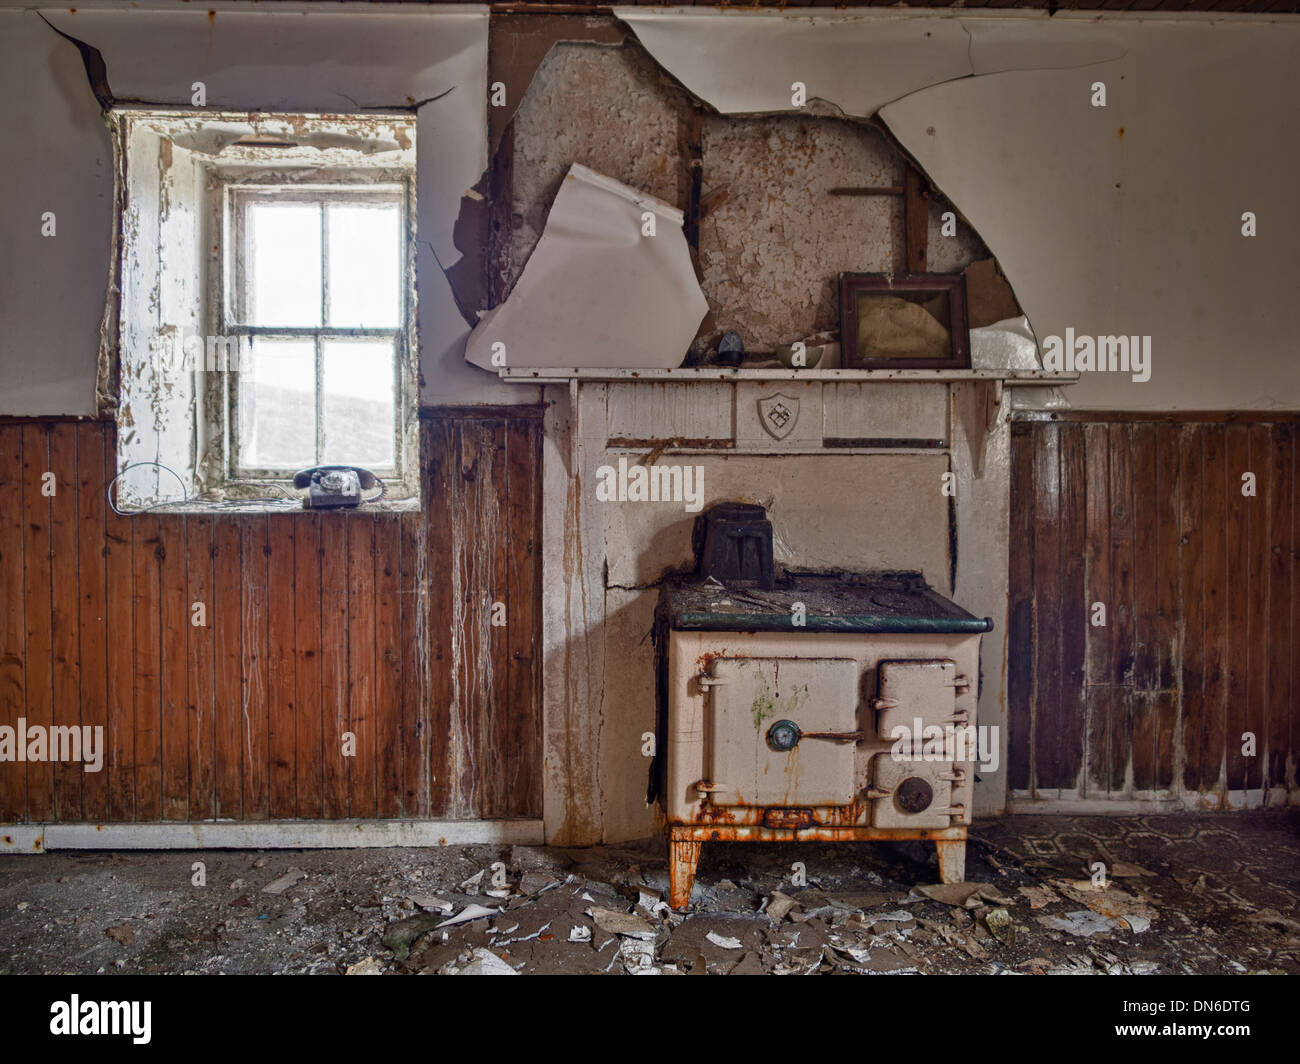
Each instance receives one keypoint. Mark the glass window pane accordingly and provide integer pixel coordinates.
(364, 257)
(360, 411)
(284, 261)
(276, 416)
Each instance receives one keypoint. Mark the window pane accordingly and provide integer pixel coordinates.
(284, 257)
(363, 265)
(360, 412)
(276, 417)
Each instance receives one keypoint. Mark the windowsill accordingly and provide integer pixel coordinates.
(273, 506)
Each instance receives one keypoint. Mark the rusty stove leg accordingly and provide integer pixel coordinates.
(952, 860)
(683, 856)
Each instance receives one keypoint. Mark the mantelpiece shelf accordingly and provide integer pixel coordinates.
(1009, 378)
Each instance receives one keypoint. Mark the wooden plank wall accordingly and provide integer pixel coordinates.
(317, 624)
(1147, 515)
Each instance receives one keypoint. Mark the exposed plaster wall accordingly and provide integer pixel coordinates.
(1124, 219)
(609, 108)
(770, 251)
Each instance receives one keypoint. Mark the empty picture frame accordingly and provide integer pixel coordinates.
(904, 321)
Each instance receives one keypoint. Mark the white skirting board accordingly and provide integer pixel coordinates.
(267, 835)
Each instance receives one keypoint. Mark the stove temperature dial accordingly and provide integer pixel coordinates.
(784, 735)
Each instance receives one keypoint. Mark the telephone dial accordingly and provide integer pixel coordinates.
(334, 486)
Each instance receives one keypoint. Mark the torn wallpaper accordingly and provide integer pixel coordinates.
(596, 291)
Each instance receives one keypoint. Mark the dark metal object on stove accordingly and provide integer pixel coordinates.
(731, 349)
(737, 545)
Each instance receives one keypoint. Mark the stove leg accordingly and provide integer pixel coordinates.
(683, 856)
(952, 860)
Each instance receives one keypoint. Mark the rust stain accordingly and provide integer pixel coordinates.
(212, 18)
(1121, 132)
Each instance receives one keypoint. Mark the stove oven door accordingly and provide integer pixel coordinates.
(782, 731)
(926, 775)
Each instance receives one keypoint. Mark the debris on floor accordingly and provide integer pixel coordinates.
(1183, 894)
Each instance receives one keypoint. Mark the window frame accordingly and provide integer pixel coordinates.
(227, 318)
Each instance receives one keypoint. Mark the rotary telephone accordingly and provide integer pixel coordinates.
(334, 486)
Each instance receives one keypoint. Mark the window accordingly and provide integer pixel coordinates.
(267, 303)
(315, 304)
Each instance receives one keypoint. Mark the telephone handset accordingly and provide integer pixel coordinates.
(334, 486)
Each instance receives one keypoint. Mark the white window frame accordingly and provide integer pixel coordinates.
(237, 198)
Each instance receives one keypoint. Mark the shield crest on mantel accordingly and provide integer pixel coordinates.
(778, 413)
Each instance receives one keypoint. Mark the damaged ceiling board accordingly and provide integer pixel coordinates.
(596, 292)
(746, 62)
(1127, 220)
(58, 158)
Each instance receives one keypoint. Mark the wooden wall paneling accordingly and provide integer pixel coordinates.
(361, 663)
(1282, 650)
(173, 666)
(1146, 559)
(498, 753)
(200, 655)
(1236, 575)
(1120, 614)
(92, 634)
(1168, 573)
(13, 619)
(471, 578)
(334, 660)
(1098, 657)
(281, 678)
(64, 600)
(146, 695)
(443, 459)
(1293, 756)
(1191, 475)
(38, 653)
(227, 620)
(522, 703)
(1020, 615)
(1258, 611)
(1047, 609)
(243, 717)
(119, 626)
(390, 755)
(1205, 758)
(308, 661)
(414, 691)
(1074, 605)
(254, 716)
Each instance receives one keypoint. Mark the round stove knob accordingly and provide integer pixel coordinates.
(784, 735)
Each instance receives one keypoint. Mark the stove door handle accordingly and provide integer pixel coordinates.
(706, 681)
(836, 737)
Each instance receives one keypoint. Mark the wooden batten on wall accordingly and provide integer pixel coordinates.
(1149, 516)
(376, 624)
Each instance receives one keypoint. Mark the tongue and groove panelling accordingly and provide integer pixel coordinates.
(1146, 515)
(377, 624)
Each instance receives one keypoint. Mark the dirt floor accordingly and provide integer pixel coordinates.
(1213, 893)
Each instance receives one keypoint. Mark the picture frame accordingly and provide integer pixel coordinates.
(904, 321)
